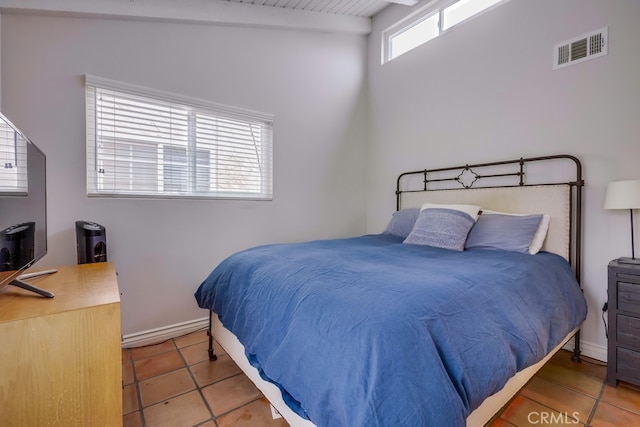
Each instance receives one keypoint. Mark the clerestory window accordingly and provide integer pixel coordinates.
(428, 23)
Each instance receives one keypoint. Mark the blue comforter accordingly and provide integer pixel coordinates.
(368, 331)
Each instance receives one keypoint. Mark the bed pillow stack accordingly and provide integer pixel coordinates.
(460, 227)
(443, 226)
(512, 232)
(402, 222)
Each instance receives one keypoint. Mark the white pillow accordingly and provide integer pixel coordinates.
(541, 232)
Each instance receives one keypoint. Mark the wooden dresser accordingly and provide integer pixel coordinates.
(61, 358)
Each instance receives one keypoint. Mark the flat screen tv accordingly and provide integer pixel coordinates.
(23, 207)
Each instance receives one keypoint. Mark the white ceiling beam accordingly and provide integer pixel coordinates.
(194, 11)
(404, 2)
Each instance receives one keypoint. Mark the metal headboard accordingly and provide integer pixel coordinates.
(502, 174)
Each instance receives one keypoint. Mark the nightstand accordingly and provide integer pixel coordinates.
(623, 352)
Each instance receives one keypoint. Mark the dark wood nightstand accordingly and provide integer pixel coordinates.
(623, 351)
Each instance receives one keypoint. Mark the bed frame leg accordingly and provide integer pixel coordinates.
(576, 348)
(212, 355)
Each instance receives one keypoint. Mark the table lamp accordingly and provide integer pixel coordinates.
(624, 195)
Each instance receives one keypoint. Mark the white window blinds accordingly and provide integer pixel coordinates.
(143, 142)
(13, 161)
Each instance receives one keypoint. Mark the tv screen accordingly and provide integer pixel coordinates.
(23, 203)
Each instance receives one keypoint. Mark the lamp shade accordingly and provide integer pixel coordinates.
(623, 195)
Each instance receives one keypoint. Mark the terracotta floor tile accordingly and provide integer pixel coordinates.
(208, 424)
(185, 410)
(559, 398)
(191, 339)
(630, 386)
(623, 397)
(165, 386)
(255, 414)
(229, 394)
(151, 350)
(158, 364)
(572, 379)
(127, 373)
(126, 355)
(133, 419)
(587, 365)
(611, 416)
(218, 348)
(523, 412)
(501, 423)
(208, 372)
(200, 352)
(129, 399)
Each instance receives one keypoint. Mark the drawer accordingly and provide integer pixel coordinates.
(631, 278)
(629, 363)
(629, 297)
(628, 331)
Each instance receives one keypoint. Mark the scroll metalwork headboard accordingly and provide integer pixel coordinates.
(552, 187)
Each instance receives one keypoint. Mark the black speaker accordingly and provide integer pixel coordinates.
(17, 245)
(91, 242)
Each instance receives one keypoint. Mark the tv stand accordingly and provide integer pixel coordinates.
(29, 287)
(20, 283)
(61, 358)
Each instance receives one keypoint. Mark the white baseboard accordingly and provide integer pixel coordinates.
(591, 350)
(154, 336)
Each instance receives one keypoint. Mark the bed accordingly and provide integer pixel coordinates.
(438, 320)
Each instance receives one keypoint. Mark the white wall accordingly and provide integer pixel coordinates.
(486, 91)
(483, 91)
(312, 82)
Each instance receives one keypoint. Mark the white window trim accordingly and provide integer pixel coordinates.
(423, 13)
(197, 105)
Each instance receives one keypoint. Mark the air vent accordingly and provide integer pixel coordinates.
(580, 49)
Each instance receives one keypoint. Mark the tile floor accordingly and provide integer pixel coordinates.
(173, 384)
(564, 393)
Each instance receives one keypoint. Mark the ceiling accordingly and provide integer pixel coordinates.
(362, 8)
(350, 16)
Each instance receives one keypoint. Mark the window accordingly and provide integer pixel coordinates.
(13, 161)
(147, 143)
(420, 32)
(428, 23)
